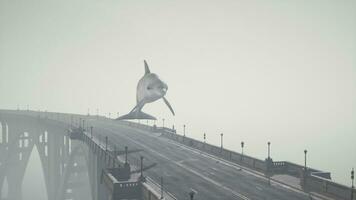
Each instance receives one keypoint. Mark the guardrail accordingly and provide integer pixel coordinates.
(316, 180)
(130, 187)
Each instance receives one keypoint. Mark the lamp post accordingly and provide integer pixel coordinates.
(115, 157)
(352, 183)
(106, 143)
(221, 140)
(91, 132)
(184, 130)
(141, 157)
(305, 169)
(269, 150)
(191, 194)
(204, 138)
(242, 150)
(125, 154)
(305, 160)
(161, 187)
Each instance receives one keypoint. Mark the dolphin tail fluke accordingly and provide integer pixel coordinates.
(137, 114)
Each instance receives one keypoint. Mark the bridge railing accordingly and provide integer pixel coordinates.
(232, 156)
(128, 188)
(316, 180)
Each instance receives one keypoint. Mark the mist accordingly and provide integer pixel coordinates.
(256, 71)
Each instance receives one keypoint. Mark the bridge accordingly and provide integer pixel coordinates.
(182, 164)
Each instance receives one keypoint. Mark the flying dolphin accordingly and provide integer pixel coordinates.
(149, 89)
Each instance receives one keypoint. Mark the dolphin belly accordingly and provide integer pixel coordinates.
(150, 88)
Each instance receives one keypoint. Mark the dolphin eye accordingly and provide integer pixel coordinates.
(149, 88)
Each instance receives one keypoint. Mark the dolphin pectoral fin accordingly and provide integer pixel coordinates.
(169, 105)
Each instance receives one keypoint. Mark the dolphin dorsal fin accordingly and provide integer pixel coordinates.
(147, 69)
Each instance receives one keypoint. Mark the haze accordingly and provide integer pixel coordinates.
(257, 71)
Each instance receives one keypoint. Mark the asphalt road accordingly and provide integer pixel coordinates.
(183, 168)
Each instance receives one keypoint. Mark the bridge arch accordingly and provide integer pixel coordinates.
(54, 153)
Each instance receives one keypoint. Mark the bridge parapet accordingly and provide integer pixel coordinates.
(120, 181)
(119, 189)
(316, 180)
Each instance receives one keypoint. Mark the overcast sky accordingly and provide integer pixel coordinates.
(270, 70)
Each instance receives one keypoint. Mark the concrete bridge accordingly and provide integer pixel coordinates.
(184, 164)
(72, 168)
(62, 160)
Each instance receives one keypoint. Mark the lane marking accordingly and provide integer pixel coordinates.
(223, 161)
(184, 167)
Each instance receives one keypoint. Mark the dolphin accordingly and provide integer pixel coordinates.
(150, 88)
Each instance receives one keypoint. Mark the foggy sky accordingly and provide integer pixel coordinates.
(283, 71)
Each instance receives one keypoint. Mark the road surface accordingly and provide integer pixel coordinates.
(184, 168)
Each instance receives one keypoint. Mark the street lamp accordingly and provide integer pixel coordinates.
(269, 150)
(106, 143)
(305, 160)
(305, 169)
(161, 187)
(242, 149)
(126, 154)
(221, 140)
(191, 194)
(204, 138)
(184, 130)
(141, 176)
(352, 183)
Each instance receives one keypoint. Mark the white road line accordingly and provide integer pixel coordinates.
(223, 161)
(184, 167)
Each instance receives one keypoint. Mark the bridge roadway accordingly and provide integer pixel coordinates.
(184, 168)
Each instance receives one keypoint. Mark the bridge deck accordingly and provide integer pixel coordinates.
(184, 168)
